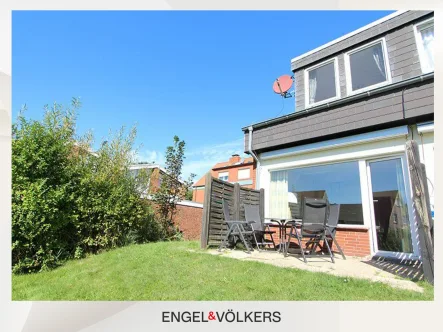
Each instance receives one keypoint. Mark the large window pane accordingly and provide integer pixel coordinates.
(322, 83)
(367, 67)
(427, 46)
(339, 183)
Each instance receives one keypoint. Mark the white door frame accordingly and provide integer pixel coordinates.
(413, 227)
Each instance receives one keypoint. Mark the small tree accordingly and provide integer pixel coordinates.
(172, 188)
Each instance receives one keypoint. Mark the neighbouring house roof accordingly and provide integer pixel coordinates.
(224, 165)
(227, 164)
(88, 150)
(150, 166)
(200, 182)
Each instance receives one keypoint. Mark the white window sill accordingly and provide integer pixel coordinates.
(368, 88)
(323, 102)
(361, 227)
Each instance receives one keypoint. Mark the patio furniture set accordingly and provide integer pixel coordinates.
(315, 222)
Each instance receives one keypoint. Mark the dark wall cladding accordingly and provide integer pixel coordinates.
(363, 114)
(358, 115)
(401, 46)
(392, 26)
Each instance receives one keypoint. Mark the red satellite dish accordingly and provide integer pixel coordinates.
(282, 85)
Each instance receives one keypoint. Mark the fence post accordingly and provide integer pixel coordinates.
(422, 211)
(206, 211)
(236, 204)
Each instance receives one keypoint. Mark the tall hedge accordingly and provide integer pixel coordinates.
(68, 201)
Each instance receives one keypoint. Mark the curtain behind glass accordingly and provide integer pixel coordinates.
(377, 53)
(278, 195)
(312, 86)
(427, 36)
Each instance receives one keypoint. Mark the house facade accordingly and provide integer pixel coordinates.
(358, 100)
(154, 172)
(235, 170)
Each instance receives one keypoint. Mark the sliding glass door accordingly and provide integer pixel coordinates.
(389, 206)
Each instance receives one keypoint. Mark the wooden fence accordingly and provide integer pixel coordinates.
(213, 222)
(422, 209)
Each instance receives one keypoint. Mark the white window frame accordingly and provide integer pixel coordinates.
(337, 82)
(244, 169)
(408, 190)
(224, 174)
(419, 42)
(348, 67)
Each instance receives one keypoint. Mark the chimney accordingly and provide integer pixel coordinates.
(234, 159)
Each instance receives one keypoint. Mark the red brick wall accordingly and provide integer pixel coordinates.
(354, 242)
(189, 220)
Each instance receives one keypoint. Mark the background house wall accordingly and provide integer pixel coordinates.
(232, 169)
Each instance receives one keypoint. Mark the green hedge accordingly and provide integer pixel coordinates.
(68, 202)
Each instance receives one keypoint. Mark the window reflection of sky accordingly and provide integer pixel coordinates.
(340, 181)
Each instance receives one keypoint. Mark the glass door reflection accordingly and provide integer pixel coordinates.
(390, 206)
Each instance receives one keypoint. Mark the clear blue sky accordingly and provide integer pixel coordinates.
(199, 75)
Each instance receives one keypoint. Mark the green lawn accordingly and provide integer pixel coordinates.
(170, 271)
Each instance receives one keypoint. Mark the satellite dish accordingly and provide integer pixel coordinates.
(282, 85)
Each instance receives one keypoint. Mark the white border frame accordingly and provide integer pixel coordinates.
(419, 42)
(388, 80)
(337, 82)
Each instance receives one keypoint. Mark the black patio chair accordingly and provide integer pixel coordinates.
(331, 227)
(312, 227)
(236, 228)
(252, 214)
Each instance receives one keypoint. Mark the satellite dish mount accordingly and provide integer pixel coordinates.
(282, 85)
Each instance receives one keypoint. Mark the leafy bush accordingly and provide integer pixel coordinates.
(68, 202)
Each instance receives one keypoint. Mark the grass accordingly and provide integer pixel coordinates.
(171, 271)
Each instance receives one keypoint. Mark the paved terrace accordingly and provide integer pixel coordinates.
(352, 267)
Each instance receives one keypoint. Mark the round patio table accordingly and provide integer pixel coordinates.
(282, 224)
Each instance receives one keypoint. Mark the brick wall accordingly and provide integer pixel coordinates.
(189, 220)
(354, 242)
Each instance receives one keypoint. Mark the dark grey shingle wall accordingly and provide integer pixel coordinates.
(366, 113)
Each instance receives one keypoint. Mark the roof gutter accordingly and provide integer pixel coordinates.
(252, 153)
(341, 101)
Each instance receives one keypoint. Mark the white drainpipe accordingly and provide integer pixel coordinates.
(257, 171)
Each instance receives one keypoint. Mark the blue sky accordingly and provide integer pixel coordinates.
(197, 74)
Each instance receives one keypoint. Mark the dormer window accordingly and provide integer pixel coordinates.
(321, 83)
(424, 33)
(367, 67)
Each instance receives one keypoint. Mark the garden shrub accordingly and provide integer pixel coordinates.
(68, 202)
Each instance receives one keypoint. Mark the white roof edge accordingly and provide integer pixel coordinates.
(190, 203)
(370, 25)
